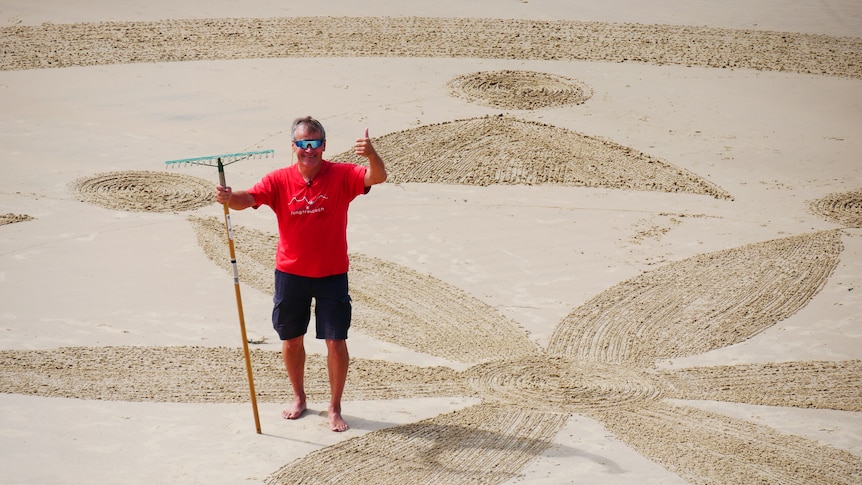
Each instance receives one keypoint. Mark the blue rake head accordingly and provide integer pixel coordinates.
(224, 159)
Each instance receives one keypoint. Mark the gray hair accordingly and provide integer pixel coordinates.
(310, 123)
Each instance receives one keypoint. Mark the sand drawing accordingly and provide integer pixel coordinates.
(499, 150)
(844, 208)
(10, 218)
(86, 44)
(601, 360)
(519, 89)
(590, 366)
(145, 191)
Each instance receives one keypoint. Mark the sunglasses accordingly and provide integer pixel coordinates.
(303, 144)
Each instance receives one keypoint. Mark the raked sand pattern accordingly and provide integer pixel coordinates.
(844, 208)
(11, 218)
(526, 399)
(86, 44)
(478, 151)
(500, 150)
(715, 300)
(601, 359)
(463, 319)
(145, 191)
(519, 89)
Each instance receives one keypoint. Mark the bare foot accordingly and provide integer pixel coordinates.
(336, 422)
(295, 411)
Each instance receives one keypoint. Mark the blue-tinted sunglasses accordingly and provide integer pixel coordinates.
(303, 144)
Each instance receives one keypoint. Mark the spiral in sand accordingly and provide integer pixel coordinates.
(145, 191)
(519, 89)
(559, 384)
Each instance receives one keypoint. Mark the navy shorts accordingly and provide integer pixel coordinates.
(291, 312)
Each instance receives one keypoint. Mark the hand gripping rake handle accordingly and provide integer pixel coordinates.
(239, 300)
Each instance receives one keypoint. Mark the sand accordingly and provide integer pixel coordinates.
(619, 243)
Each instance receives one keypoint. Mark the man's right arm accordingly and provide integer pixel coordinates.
(238, 200)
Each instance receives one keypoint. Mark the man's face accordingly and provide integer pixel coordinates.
(308, 155)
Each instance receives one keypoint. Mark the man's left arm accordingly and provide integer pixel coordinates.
(376, 172)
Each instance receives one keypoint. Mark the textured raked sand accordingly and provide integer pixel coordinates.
(600, 360)
(594, 365)
(56, 45)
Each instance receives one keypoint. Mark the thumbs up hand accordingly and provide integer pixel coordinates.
(363, 146)
(376, 173)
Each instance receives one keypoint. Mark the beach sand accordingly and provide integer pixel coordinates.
(620, 243)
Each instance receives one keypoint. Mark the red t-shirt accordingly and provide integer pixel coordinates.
(312, 219)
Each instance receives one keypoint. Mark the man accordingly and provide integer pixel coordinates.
(310, 199)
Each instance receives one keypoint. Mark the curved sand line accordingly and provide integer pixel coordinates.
(448, 330)
(519, 89)
(491, 442)
(715, 300)
(704, 447)
(478, 445)
(500, 150)
(842, 208)
(86, 44)
(145, 191)
(627, 399)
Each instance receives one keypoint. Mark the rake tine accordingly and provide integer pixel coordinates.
(226, 158)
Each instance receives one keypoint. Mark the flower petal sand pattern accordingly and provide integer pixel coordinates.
(704, 447)
(715, 300)
(527, 400)
(481, 444)
(448, 330)
(796, 384)
(501, 150)
(585, 372)
(204, 375)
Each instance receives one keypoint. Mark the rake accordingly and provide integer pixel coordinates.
(220, 161)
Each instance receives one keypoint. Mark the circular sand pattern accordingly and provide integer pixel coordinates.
(11, 218)
(843, 208)
(519, 89)
(715, 300)
(501, 150)
(85, 44)
(557, 384)
(145, 191)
